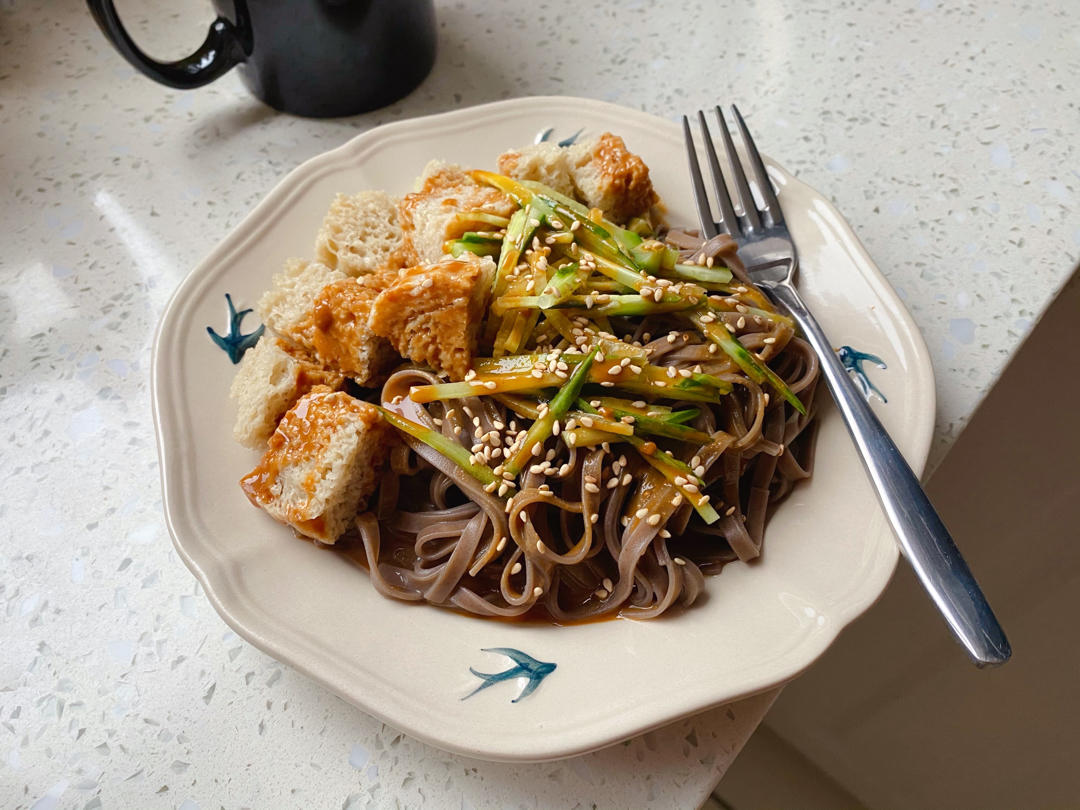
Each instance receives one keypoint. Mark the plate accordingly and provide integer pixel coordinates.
(828, 550)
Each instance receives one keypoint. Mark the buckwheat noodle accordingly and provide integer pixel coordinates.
(581, 552)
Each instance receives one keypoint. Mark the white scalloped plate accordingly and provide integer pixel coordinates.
(828, 551)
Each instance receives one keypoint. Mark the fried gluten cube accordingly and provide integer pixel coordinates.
(360, 234)
(270, 379)
(544, 162)
(440, 208)
(431, 313)
(322, 464)
(325, 313)
(601, 172)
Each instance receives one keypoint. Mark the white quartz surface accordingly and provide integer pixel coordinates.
(944, 131)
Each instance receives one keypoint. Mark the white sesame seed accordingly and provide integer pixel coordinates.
(593, 488)
(730, 511)
(642, 512)
(769, 340)
(654, 519)
(677, 499)
(501, 544)
(516, 568)
(680, 561)
(664, 533)
(699, 470)
(538, 591)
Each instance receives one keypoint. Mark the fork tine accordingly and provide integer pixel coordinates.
(742, 188)
(708, 227)
(761, 177)
(728, 221)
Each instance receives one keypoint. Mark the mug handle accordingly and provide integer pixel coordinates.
(226, 45)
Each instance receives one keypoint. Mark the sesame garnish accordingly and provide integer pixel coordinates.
(680, 561)
(538, 591)
(653, 519)
(593, 488)
(730, 511)
(516, 568)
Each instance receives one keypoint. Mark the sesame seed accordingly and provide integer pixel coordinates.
(587, 421)
(593, 518)
(490, 487)
(470, 374)
(680, 561)
(657, 383)
(601, 594)
(642, 512)
(540, 547)
(654, 519)
(692, 488)
(607, 384)
(457, 430)
(685, 373)
(769, 340)
(538, 591)
(671, 337)
(626, 479)
(729, 327)
(516, 568)
(739, 324)
(556, 428)
(571, 439)
(665, 533)
(593, 488)
(680, 480)
(671, 372)
(730, 511)
(699, 470)
(575, 225)
(624, 520)
(608, 584)
(503, 489)
(501, 544)
(537, 449)
(677, 499)
(523, 517)
(634, 369)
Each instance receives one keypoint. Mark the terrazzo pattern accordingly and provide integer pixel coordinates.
(944, 132)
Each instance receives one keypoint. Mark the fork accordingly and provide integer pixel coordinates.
(768, 252)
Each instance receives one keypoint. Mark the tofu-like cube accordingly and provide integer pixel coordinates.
(270, 379)
(322, 464)
(360, 234)
(610, 177)
(342, 337)
(600, 172)
(325, 313)
(431, 313)
(439, 211)
(544, 162)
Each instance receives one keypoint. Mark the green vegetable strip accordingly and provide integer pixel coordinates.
(561, 285)
(662, 463)
(513, 245)
(444, 446)
(558, 406)
(692, 272)
(754, 368)
(458, 247)
(481, 216)
(611, 304)
(652, 426)
(521, 194)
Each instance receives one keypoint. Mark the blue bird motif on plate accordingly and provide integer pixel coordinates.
(853, 360)
(525, 666)
(235, 343)
(545, 135)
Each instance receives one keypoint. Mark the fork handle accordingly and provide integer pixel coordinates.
(922, 536)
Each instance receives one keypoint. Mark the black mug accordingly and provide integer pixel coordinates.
(319, 58)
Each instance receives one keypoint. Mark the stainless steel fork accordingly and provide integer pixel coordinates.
(768, 252)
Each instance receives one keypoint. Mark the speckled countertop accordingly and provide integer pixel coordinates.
(945, 132)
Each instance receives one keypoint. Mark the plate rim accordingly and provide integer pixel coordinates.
(229, 600)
